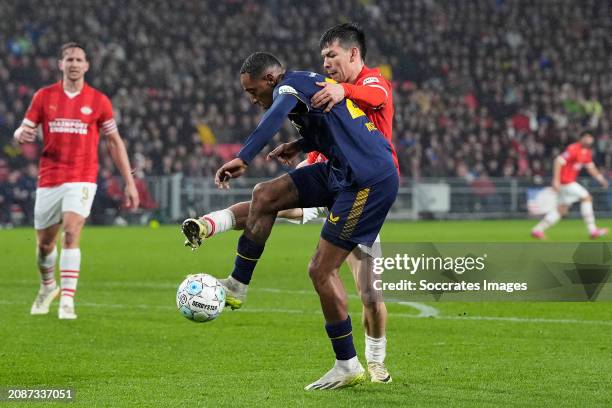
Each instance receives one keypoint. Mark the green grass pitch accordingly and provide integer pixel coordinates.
(131, 347)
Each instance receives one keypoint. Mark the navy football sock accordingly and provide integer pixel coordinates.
(247, 255)
(341, 336)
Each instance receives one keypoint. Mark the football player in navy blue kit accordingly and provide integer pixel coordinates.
(358, 184)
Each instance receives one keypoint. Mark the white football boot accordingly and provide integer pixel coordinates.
(43, 300)
(66, 308)
(340, 377)
(235, 292)
(378, 373)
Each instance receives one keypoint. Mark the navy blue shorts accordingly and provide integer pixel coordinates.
(356, 214)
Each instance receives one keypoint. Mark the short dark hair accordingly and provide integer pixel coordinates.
(348, 35)
(69, 45)
(586, 132)
(258, 62)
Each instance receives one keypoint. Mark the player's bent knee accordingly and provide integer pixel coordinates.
(71, 235)
(313, 271)
(375, 308)
(45, 248)
(264, 196)
(317, 274)
(587, 199)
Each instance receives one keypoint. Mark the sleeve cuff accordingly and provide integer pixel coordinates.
(348, 90)
(28, 122)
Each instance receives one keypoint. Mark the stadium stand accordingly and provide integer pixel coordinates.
(485, 88)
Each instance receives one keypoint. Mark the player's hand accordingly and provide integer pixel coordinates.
(327, 97)
(603, 182)
(285, 153)
(25, 134)
(131, 199)
(232, 169)
(556, 185)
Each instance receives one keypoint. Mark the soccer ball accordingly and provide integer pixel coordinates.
(200, 298)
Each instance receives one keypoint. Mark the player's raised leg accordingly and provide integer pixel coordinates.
(46, 260)
(268, 199)
(374, 316)
(196, 230)
(323, 270)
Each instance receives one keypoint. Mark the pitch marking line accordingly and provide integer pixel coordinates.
(298, 311)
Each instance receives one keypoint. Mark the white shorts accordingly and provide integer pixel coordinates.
(52, 202)
(572, 192)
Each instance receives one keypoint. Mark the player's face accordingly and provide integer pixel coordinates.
(74, 64)
(259, 89)
(587, 140)
(337, 61)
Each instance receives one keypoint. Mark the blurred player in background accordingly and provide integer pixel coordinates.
(343, 49)
(71, 114)
(566, 168)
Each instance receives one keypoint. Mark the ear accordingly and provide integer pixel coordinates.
(86, 66)
(60, 64)
(355, 56)
(270, 79)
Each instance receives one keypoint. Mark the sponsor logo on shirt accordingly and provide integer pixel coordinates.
(370, 80)
(286, 89)
(86, 110)
(68, 126)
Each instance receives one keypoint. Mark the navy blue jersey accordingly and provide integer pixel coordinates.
(357, 152)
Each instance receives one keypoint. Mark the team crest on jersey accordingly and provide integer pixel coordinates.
(86, 110)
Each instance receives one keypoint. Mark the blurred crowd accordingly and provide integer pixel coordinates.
(482, 88)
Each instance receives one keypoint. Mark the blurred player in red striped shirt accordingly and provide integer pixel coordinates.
(71, 114)
(343, 49)
(566, 168)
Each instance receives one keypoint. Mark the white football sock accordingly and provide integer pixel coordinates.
(46, 267)
(349, 365)
(219, 221)
(375, 349)
(586, 209)
(549, 219)
(70, 266)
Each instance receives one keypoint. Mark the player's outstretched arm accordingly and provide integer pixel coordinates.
(118, 153)
(266, 129)
(596, 174)
(373, 96)
(269, 125)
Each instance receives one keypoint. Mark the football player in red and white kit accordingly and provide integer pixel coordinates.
(343, 49)
(71, 114)
(566, 168)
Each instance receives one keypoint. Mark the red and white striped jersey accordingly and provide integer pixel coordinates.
(71, 132)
